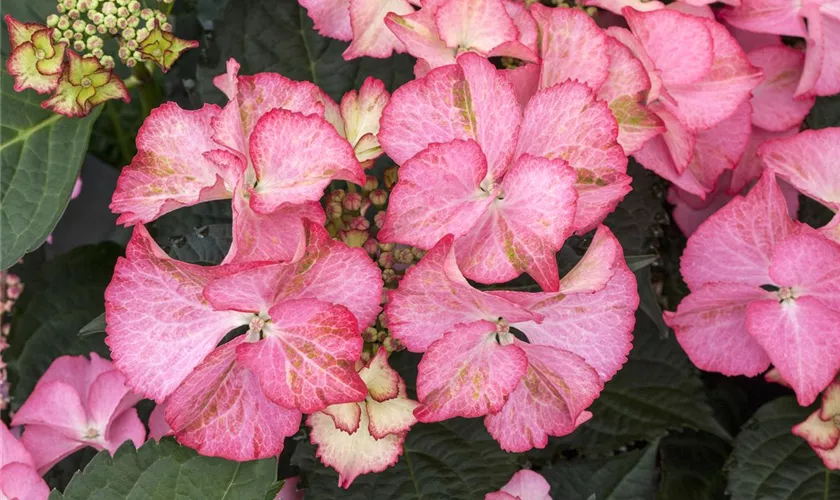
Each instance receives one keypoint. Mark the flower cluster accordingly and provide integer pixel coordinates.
(10, 289)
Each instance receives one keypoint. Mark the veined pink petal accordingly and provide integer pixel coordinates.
(525, 80)
(361, 112)
(572, 47)
(802, 339)
(555, 390)
(306, 359)
(478, 26)
(160, 326)
(821, 75)
(774, 107)
(331, 17)
(295, 157)
(819, 433)
(382, 381)
(371, 37)
(220, 411)
(169, 170)
(575, 321)
(346, 416)
(353, 454)
(751, 166)
(778, 17)
(567, 122)
(524, 485)
(21, 481)
(809, 263)
(525, 23)
(832, 229)
(710, 325)
(110, 400)
(468, 101)
(657, 154)
(447, 177)
(393, 416)
(418, 32)
(467, 373)
(524, 227)
(596, 268)
(809, 162)
(720, 148)
(629, 40)
(434, 297)
(736, 243)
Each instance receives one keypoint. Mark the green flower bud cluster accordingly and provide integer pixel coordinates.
(82, 25)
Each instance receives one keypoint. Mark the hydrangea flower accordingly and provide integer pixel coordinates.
(764, 289)
(78, 403)
(35, 60)
(18, 477)
(84, 84)
(468, 149)
(822, 428)
(474, 366)
(363, 437)
(524, 485)
(163, 48)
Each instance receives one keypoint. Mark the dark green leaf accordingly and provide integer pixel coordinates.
(825, 113)
(96, 325)
(813, 213)
(637, 221)
(769, 462)
(455, 459)
(636, 262)
(41, 153)
(649, 300)
(200, 234)
(692, 466)
(626, 476)
(167, 470)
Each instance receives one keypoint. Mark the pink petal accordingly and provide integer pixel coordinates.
(566, 122)
(525, 23)
(736, 243)
(295, 157)
(21, 481)
(468, 101)
(77, 371)
(220, 411)
(819, 433)
(802, 338)
(346, 416)
(445, 176)
(371, 36)
(810, 264)
(524, 227)
(467, 373)
(710, 325)
(55, 404)
(830, 401)
(125, 427)
(629, 40)
(774, 107)
(809, 162)
(751, 166)
(158, 428)
(289, 490)
(778, 17)
(353, 454)
(596, 268)
(434, 297)
(832, 229)
(394, 416)
(361, 112)
(477, 26)
(12, 450)
(306, 359)
(108, 399)
(48, 446)
(169, 170)
(159, 325)
(418, 32)
(698, 8)
(821, 75)
(720, 148)
(525, 485)
(555, 390)
(331, 17)
(750, 41)
(617, 6)
(572, 47)
(382, 381)
(525, 80)
(577, 322)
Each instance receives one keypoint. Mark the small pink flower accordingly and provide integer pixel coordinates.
(524, 485)
(18, 476)
(822, 428)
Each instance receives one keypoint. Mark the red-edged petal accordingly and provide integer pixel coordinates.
(382, 381)
(346, 416)
(819, 433)
(393, 416)
(821, 74)
(220, 411)
(331, 17)
(720, 148)
(371, 37)
(418, 32)
(21, 481)
(774, 107)
(361, 112)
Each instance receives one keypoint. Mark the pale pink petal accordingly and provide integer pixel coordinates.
(306, 358)
(48, 446)
(346, 416)
(802, 338)
(353, 454)
(12, 450)
(445, 176)
(658, 154)
(393, 416)
(617, 6)
(331, 17)
(525, 485)
(809, 263)
(830, 458)
(596, 268)
(160, 326)
(417, 31)
(751, 166)
(361, 112)
(524, 227)
(778, 17)
(479, 26)
(823, 434)
(169, 170)
(555, 390)
(468, 101)
(55, 404)
(525, 80)
(629, 40)
(20, 481)
(830, 401)
(525, 23)
(720, 148)
(567, 122)
(572, 47)
(775, 377)
(736, 243)
(220, 411)
(750, 41)
(371, 37)
(158, 428)
(434, 297)
(698, 8)
(382, 381)
(108, 399)
(832, 229)
(125, 427)
(823, 36)
(809, 162)
(710, 325)
(774, 107)
(467, 373)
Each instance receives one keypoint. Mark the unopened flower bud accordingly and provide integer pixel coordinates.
(359, 223)
(142, 34)
(386, 247)
(132, 44)
(78, 36)
(354, 238)
(68, 34)
(101, 29)
(131, 62)
(371, 246)
(391, 176)
(334, 210)
(110, 21)
(370, 334)
(69, 4)
(123, 53)
(378, 197)
(166, 27)
(403, 255)
(122, 12)
(352, 201)
(386, 260)
(419, 253)
(134, 6)
(96, 17)
(365, 357)
(382, 319)
(98, 53)
(52, 20)
(122, 23)
(371, 183)
(128, 33)
(79, 46)
(90, 29)
(337, 195)
(379, 220)
(389, 276)
(122, 2)
(392, 345)
(365, 206)
(63, 23)
(133, 21)
(109, 8)
(79, 26)
(146, 14)
(74, 14)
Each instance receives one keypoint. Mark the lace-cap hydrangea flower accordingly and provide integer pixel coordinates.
(524, 485)
(78, 402)
(474, 365)
(510, 185)
(85, 83)
(764, 289)
(35, 60)
(822, 428)
(18, 477)
(364, 437)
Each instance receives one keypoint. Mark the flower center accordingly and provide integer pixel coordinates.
(40, 54)
(86, 82)
(503, 335)
(785, 293)
(91, 433)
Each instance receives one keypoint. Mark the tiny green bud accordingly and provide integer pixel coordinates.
(122, 12)
(108, 8)
(132, 44)
(74, 14)
(79, 26)
(97, 53)
(63, 23)
(79, 46)
(146, 14)
(107, 61)
(52, 20)
(122, 23)
(90, 29)
(133, 21)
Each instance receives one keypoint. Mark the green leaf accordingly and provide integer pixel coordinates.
(637, 221)
(96, 325)
(200, 234)
(66, 295)
(267, 35)
(692, 466)
(825, 113)
(41, 153)
(167, 470)
(455, 459)
(770, 462)
(626, 476)
(636, 262)
(649, 301)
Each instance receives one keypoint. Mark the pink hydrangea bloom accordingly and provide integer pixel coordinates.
(821, 428)
(474, 366)
(18, 475)
(468, 149)
(764, 288)
(359, 438)
(524, 485)
(78, 402)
